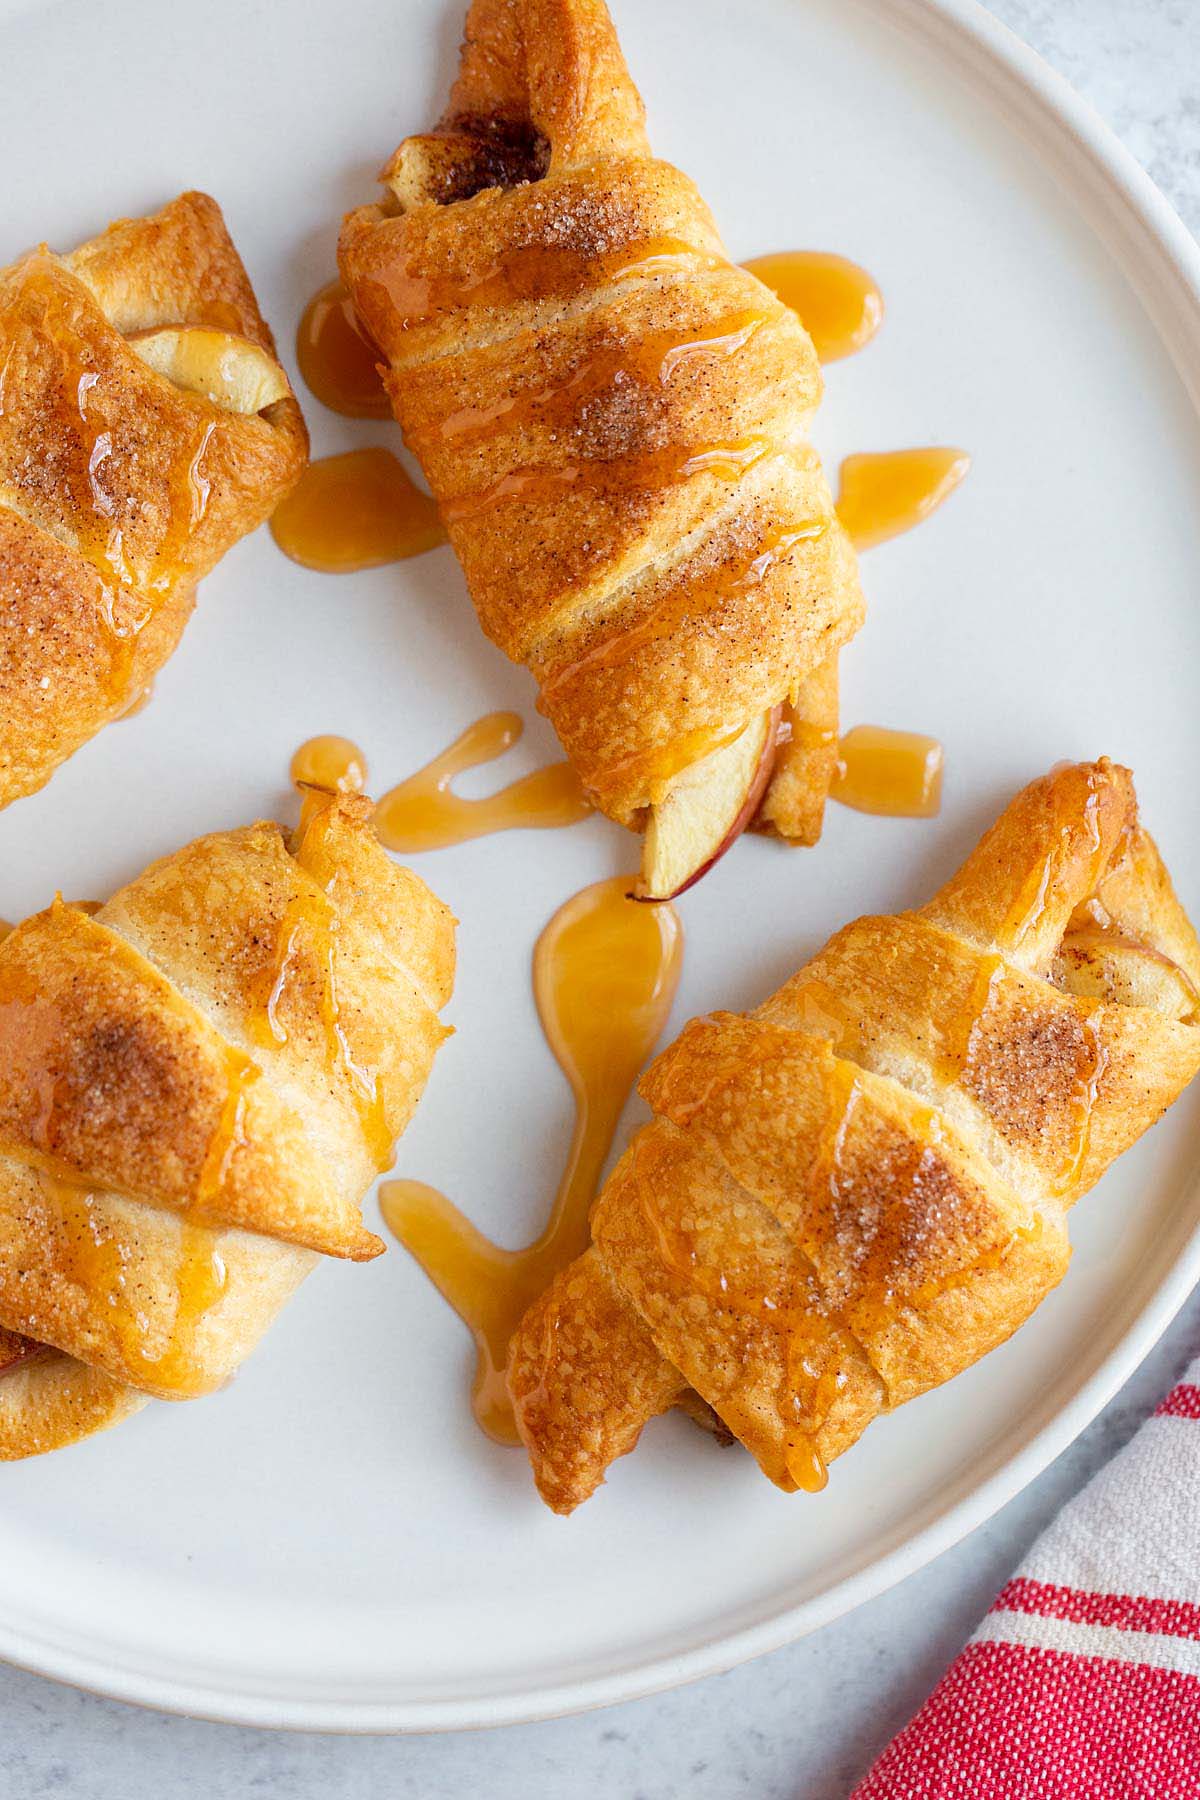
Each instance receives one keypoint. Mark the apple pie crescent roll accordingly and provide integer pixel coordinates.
(145, 426)
(849, 1195)
(614, 420)
(198, 1083)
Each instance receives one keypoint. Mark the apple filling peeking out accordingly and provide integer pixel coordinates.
(229, 370)
(706, 810)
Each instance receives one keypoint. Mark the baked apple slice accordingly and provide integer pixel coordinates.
(15, 1350)
(706, 810)
(229, 370)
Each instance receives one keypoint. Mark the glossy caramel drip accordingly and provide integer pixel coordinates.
(885, 493)
(838, 303)
(1089, 1075)
(957, 1048)
(820, 1011)
(91, 1256)
(896, 773)
(356, 511)
(230, 1134)
(690, 600)
(424, 812)
(652, 359)
(129, 598)
(307, 939)
(337, 358)
(531, 272)
(333, 764)
(604, 973)
(812, 734)
(326, 765)
(656, 470)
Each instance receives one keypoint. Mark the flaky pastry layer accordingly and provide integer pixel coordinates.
(612, 416)
(851, 1194)
(198, 1083)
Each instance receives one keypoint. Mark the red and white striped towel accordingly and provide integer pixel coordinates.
(1083, 1682)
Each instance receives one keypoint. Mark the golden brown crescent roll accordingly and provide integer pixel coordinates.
(614, 420)
(198, 1083)
(145, 426)
(851, 1194)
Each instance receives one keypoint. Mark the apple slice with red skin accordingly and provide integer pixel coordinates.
(227, 369)
(706, 809)
(16, 1351)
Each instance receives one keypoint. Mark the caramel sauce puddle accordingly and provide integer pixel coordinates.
(897, 774)
(356, 511)
(837, 302)
(605, 972)
(885, 493)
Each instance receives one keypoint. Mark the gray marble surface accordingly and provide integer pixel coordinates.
(807, 1721)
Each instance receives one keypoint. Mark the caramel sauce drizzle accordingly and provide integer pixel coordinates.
(1090, 1074)
(127, 605)
(322, 766)
(885, 493)
(1028, 909)
(92, 1257)
(356, 511)
(895, 773)
(330, 764)
(837, 302)
(307, 938)
(690, 600)
(424, 812)
(659, 468)
(241, 1072)
(532, 272)
(90, 1251)
(337, 358)
(341, 363)
(653, 358)
(604, 974)
(361, 510)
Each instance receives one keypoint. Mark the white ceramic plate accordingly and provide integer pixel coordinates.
(330, 1543)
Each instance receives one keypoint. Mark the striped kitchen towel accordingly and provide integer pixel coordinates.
(1083, 1682)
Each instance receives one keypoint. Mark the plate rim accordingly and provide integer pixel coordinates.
(981, 44)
